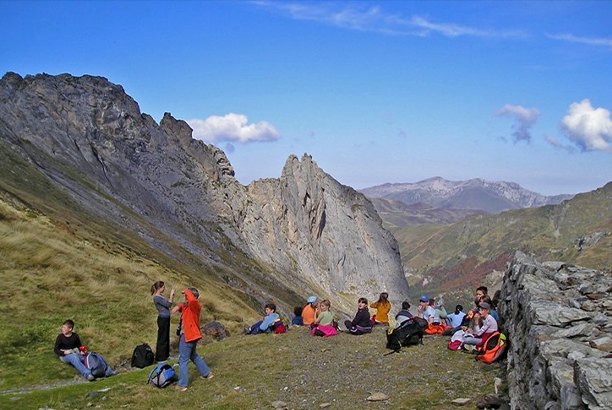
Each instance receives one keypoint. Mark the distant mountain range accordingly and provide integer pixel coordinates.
(445, 259)
(474, 194)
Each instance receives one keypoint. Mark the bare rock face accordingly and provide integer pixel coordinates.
(559, 337)
(305, 232)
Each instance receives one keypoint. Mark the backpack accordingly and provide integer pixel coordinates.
(162, 375)
(493, 348)
(410, 333)
(143, 356)
(96, 364)
(280, 328)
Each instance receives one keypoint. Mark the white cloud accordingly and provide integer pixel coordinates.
(594, 41)
(232, 127)
(587, 127)
(525, 119)
(375, 19)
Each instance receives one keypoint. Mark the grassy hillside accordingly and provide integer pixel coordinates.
(576, 231)
(50, 273)
(304, 372)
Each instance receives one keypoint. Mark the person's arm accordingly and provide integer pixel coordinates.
(267, 321)
(160, 300)
(374, 305)
(172, 294)
(56, 348)
(177, 308)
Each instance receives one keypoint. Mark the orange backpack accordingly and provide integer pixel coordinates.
(492, 348)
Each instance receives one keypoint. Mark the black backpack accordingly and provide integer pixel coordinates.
(410, 333)
(143, 356)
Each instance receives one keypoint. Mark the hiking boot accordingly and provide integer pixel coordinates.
(247, 329)
(180, 388)
(90, 377)
(210, 376)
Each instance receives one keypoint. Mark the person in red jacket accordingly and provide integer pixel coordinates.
(189, 330)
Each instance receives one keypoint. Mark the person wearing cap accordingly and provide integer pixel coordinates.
(489, 325)
(425, 311)
(309, 311)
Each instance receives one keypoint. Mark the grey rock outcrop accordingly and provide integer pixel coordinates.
(558, 335)
(276, 239)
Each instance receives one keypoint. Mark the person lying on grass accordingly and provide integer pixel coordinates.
(266, 325)
(70, 350)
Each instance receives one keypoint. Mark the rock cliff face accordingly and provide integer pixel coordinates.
(305, 231)
(559, 322)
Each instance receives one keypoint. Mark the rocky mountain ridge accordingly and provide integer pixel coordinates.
(302, 233)
(474, 194)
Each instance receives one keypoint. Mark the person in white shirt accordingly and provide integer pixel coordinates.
(489, 325)
(425, 311)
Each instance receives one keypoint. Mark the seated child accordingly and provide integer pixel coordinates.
(308, 313)
(267, 323)
(361, 323)
(70, 350)
(439, 310)
(382, 307)
(404, 315)
(324, 322)
(425, 311)
(297, 320)
(489, 325)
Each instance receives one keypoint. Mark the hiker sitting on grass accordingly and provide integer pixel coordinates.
(454, 320)
(489, 325)
(382, 306)
(308, 313)
(297, 320)
(404, 315)
(324, 322)
(189, 331)
(70, 350)
(266, 325)
(439, 311)
(361, 323)
(424, 311)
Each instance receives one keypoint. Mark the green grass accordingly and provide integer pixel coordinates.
(299, 369)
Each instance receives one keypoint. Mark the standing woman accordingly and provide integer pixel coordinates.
(163, 305)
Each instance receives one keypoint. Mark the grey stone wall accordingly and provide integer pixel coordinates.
(558, 319)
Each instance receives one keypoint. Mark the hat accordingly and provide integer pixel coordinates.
(424, 298)
(484, 305)
(311, 299)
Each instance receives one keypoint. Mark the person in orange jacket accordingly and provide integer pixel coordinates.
(309, 311)
(189, 331)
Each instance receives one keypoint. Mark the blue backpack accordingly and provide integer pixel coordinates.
(162, 375)
(96, 364)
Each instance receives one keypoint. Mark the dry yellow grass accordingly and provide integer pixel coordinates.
(49, 274)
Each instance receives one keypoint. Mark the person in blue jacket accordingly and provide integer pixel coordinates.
(266, 324)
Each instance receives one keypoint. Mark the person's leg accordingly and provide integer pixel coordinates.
(471, 340)
(162, 349)
(347, 324)
(76, 361)
(255, 330)
(200, 364)
(184, 355)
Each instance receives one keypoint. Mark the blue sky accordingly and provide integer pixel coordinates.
(379, 91)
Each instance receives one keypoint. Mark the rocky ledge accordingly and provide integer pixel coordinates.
(558, 318)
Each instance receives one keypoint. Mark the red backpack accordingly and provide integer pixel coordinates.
(492, 348)
(279, 327)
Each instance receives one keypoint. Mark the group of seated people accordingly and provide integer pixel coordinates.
(468, 328)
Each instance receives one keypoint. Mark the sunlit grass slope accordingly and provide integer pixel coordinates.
(49, 274)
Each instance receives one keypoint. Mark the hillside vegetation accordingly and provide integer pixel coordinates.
(51, 271)
(575, 231)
